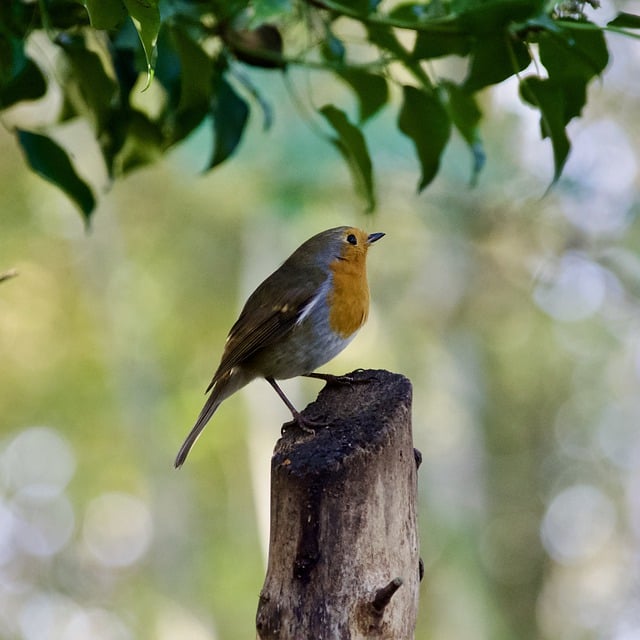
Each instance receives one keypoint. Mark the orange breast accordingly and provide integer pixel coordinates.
(349, 300)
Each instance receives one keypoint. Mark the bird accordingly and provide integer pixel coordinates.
(300, 317)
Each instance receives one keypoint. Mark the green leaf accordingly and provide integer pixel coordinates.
(132, 140)
(268, 10)
(196, 86)
(548, 96)
(419, 13)
(466, 115)
(20, 78)
(353, 147)
(145, 16)
(542, 22)
(363, 7)
(573, 58)
(487, 18)
(168, 68)
(494, 59)
(51, 162)
(385, 38)
(435, 45)
(625, 21)
(125, 62)
(142, 142)
(424, 119)
(106, 14)
(230, 114)
(371, 89)
(61, 15)
(97, 88)
(574, 55)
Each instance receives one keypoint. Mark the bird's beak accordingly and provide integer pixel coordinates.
(373, 237)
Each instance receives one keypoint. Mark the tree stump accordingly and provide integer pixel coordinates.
(343, 548)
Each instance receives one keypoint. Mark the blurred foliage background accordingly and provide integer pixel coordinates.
(514, 313)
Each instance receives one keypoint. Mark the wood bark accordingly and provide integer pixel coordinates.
(343, 550)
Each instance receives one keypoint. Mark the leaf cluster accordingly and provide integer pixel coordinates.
(194, 51)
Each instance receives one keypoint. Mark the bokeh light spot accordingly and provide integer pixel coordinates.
(117, 529)
(45, 615)
(43, 526)
(96, 624)
(578, 522)
(7, 526)
(574, 291)
(38, 461)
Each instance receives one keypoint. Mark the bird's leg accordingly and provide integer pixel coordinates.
(303, 423)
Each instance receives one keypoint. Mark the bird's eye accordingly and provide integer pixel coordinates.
(351, 239)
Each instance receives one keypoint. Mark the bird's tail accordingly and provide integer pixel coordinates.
(221, 389)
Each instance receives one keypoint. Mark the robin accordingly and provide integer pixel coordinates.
(299, 318)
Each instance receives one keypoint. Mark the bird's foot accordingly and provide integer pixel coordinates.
(332, 380)
(304, 424)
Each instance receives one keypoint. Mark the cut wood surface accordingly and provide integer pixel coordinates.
(343, 550)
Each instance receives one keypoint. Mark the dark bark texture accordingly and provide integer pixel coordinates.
(343, 550)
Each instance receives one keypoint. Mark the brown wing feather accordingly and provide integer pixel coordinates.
(263, 321)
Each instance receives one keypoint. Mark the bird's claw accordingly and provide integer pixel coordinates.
(303, 424)
(346, 379)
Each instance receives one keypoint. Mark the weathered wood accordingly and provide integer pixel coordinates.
(343, 550)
